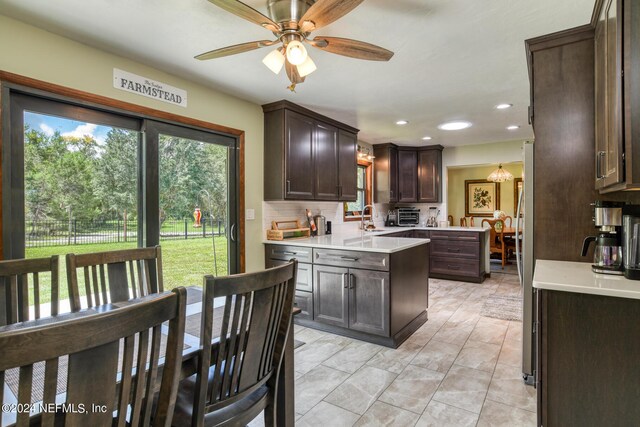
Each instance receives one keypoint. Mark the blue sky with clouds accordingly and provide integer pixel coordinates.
(50, 124)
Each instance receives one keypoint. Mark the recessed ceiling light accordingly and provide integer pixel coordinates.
(426, 138)
(503, 106)
(402, 122)
(513, 127)
(454, 125)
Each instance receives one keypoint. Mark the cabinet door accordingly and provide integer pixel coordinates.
(331, 295)
(299, 170)
(613, 158)
(393, 175)
(348, 166)
(369, 301)
(407, 176)
(326, 162)
(600, 43)
(429, 167)
(608, 89)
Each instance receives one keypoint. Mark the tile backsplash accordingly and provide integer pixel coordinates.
(333, 211)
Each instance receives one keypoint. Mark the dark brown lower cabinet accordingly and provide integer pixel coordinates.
(331, 296)
(352, 298)
(588, 355)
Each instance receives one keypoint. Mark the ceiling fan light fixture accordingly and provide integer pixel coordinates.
(274, 61)
(296, 52)
(307, 67)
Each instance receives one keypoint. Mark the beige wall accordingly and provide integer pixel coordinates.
(29, 51)
(456, 191)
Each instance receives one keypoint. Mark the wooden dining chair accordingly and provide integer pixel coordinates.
(114, 276)
(508, 221)
(18, 292)
(237, 376)
(464, 222)
(497, 243)
(112, 357)
(450, 219)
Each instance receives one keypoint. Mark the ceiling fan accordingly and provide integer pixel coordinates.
(292, 22)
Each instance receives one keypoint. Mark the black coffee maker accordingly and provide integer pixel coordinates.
(607, 256)
(631, 239)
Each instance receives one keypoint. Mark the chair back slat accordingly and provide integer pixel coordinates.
(136, 407)
(22, 301)
(132, 278)
(99, 371)
(50, 389)
(253, 330)
(107, 279)
(92, 376)
(24, 392)
(243, 334)
(125, 379)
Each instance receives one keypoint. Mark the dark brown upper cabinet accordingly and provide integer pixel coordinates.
(408, 174)
(429, 167)
(307, 156)
(385, 168)
(617, 95)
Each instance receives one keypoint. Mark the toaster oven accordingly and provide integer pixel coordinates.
(408, 216)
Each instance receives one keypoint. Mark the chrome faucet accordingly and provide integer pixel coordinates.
(362, 227)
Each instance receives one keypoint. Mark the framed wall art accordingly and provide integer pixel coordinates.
(482, 197)
(517, 189)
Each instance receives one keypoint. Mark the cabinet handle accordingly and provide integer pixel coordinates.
(455, 251)
(285, 252)
(346, 258)
(288, 186)
(453, 267)
(345, 280)
(352, 281)
(599, 158)
(339, 190)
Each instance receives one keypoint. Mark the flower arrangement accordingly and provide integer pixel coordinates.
(499, 215)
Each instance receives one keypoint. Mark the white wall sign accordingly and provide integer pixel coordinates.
(150, 88)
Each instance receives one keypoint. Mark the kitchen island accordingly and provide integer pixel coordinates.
(364, 286)
(588, 342)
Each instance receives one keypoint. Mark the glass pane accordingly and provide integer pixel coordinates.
(80, 190)
(358, 205)
(361, 176)
(193, 210)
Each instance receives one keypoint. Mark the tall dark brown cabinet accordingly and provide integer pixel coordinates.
(562, 113)
(307, 156)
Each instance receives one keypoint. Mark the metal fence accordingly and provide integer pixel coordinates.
(39, 234)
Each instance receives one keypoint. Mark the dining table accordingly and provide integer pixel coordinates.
(285, 414)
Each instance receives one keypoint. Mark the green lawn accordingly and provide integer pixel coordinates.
(184, 262)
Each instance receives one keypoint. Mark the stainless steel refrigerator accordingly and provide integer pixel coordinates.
(525, 263)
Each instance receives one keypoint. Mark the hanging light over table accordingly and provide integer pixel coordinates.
(500, 175)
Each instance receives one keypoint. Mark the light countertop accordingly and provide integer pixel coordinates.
(368, 242)
(578, 277)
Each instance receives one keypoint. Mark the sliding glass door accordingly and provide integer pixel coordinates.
(80, 179)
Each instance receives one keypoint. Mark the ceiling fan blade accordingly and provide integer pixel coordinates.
(324, 12)
(232, 50)
(292, 73)
(247, 12)
(351, 48)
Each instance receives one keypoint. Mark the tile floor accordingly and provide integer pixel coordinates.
(458, 369)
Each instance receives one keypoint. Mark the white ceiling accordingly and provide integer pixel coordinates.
(454, 59)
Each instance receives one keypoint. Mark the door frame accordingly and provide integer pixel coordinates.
(11, 84)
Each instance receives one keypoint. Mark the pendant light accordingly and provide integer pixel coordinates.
(500, 175)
